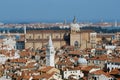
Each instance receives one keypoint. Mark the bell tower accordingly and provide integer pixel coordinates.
(74, 20)
(74, 27)
(75, 34)
(50, 53)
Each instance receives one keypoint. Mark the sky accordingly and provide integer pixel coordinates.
(13, 11)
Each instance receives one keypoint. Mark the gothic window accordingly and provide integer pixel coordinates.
(38, 37)
(95, 78)
(56, 37)
(112, 68)
(108, 69)
(29, 37)
(76, 43)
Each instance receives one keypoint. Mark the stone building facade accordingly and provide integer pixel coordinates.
(39, 38)
(72, 36)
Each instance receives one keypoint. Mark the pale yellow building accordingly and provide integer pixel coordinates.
(72, 36)
(39, 38)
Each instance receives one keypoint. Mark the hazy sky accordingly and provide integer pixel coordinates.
(58, 10)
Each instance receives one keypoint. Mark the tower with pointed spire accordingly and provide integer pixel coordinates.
(50, 53)
(74, 20)
(74, 26)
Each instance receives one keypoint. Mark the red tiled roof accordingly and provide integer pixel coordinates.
(19, 60)
(114, 71)
(46, 69)
(100, 72)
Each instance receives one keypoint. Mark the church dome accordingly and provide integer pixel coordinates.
(82, 61)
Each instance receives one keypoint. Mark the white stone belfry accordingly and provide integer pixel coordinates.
(74, 26)
(50, 53)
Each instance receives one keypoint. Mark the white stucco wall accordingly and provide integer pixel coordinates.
(77, 73)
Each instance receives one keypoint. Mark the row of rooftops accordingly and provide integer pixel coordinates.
(66, 57)
(65, 61)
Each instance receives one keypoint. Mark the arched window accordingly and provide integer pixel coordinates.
(108, 69)
(56, 37)
(95, 78)
(76, 43)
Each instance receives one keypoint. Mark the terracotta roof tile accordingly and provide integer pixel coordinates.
(46, 69)
(114, 71)
(101, 57)
(115, 60)
(100, 72)
(88, 68)
(19, 60)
